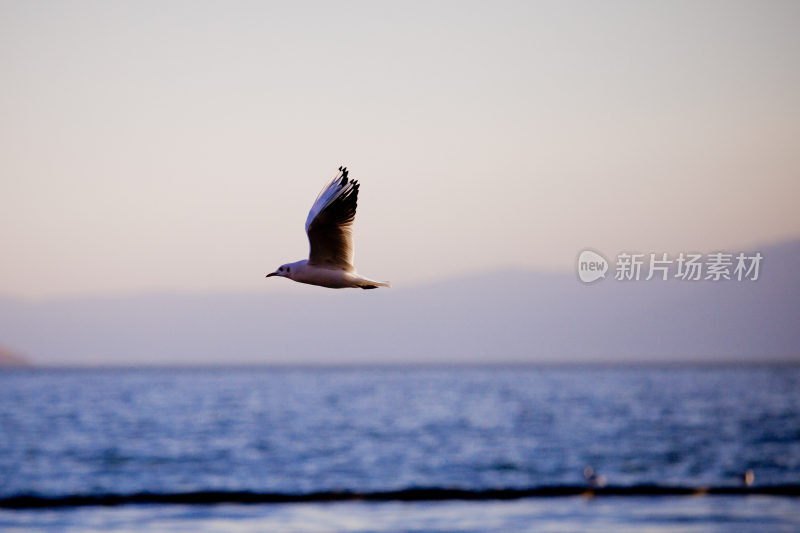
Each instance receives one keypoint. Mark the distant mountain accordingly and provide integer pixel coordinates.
(9, 358)
(495, 317)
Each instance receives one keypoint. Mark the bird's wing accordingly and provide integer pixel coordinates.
(330, 222)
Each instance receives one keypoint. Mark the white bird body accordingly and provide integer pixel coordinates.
(334, 278)
(329, 228)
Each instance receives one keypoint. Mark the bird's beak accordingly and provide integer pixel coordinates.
(271, 274)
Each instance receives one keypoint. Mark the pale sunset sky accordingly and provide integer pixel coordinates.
(177, 146)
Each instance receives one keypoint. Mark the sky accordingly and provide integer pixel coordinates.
(177, 146)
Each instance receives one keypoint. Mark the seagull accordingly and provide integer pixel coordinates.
(594, 479)
(329, 228)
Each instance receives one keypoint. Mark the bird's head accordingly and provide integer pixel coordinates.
(285, 271)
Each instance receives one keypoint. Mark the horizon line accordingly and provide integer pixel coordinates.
(404, 365)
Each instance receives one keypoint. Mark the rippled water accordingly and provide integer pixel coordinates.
(574, 514)
(288, 430)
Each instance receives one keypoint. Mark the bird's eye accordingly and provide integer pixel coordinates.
(288, 269)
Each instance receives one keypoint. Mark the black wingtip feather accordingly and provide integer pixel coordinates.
(344, 172)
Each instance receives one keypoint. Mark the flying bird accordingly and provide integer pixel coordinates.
(330, 233)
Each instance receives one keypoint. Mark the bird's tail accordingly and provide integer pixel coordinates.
(372, 284)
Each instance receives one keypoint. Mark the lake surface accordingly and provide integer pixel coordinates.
(77, 432)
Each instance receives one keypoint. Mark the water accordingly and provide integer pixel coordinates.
(302, 430)
(729, 514)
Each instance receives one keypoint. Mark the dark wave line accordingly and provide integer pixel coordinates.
(33, 501)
